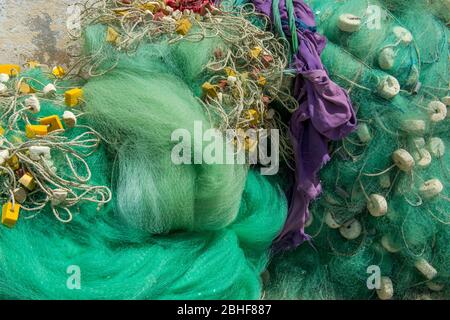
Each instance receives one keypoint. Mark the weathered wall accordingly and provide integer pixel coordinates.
(34, 30)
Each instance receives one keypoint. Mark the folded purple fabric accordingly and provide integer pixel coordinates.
(325, 113)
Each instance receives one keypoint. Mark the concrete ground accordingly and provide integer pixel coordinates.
(34, 30)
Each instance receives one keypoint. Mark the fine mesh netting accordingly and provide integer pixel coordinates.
(205, 231)
(197, 231)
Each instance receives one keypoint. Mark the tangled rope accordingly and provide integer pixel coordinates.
(31, 177)
(247, 71)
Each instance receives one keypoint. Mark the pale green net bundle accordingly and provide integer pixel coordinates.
(385, 201)
(198, 231)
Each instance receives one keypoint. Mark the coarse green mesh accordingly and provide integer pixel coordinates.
(415, 226)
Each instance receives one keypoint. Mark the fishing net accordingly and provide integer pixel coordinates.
(193, 231)
(167, 229)
(385, 196)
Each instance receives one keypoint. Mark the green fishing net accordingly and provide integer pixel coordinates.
(117, 261)
(204, 231)
(197, 231)
(385, 201)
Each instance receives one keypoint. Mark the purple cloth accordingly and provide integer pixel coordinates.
(325, 113)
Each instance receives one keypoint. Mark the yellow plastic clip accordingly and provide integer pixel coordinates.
(28, 181)
(120, 12)
(73, 96)
(209, 89)
(255, 52)
(183, 26)
(253, 116)
(10, 214)
(33, 130)
(111, 35)
(52, 123)
(151, 6)
(10, 69)
(262, 81)
(58, 71)
(14, 162)
(24, 88)
(230, 72)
